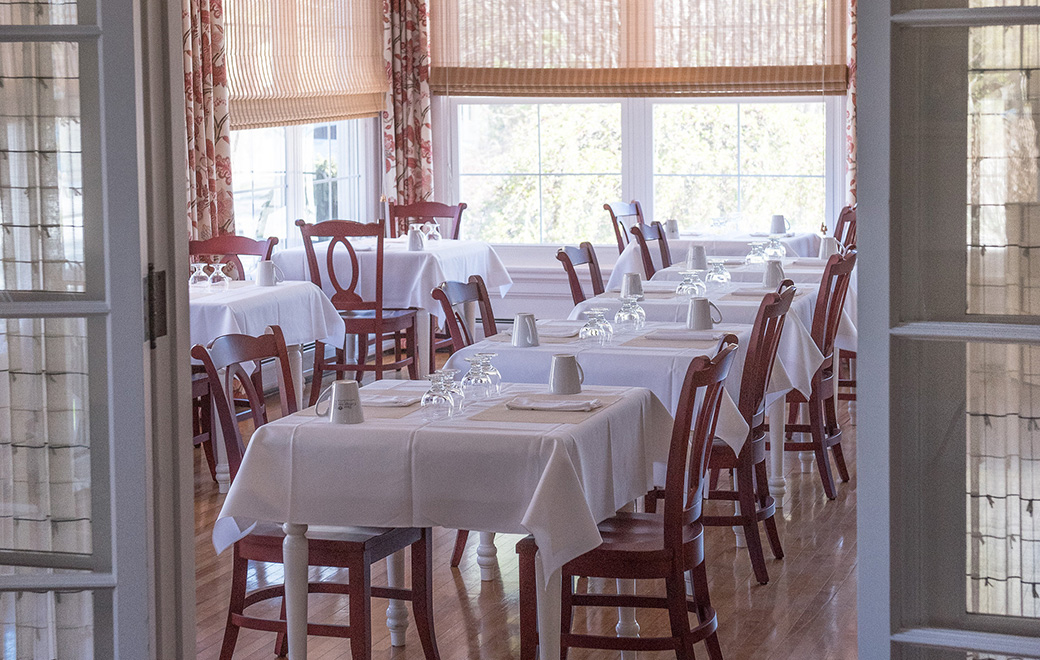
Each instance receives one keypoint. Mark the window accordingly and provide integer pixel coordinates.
(315, 171)
(539, 171)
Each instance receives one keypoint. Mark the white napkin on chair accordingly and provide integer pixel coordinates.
(564, 405)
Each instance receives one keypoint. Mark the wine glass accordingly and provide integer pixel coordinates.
(437, 402)
(476, 384)
(492, 371)
(757, 254)
(198, 278)
(691, 284)
(220, 279)
(775, 249)
(454, 386)
(596, 330)
(717, 276)
(631, 317)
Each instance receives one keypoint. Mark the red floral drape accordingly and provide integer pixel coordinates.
(850, 110)
(210, 204)
(407, 139)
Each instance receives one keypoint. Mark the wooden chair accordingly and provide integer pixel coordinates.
(845, 229)
(845, 232)
(229, 248)
(652, 232)
(361, 317)
(823, 422)
(428, 212)
(201, 425)
(620, 213)
(352, 548)
(450, 295)
(650, 545)
(571, 257)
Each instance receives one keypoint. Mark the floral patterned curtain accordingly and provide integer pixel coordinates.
(210, 206)
(407, 139)
(850, 111)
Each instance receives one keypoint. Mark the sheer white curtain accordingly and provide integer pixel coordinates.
(44, 443)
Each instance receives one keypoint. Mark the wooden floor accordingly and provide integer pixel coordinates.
(807, 611)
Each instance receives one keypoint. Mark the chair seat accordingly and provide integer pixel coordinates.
(722, 456)
(637, 540)
(265, 540)
(364, 321)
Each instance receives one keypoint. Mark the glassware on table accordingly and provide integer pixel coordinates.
(692, 283)
(719, 224)
(438, 401)
(198, 278)
(597, 330)
(476, 384)
(220, 279)
(757, 254)
(631, 317)
(454, 386)
(717, 275)
(775, 249)
(492, 371)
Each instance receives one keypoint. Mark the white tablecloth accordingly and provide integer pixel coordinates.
(659, 368)
(302, 311)
(630, 261)
(408, 277)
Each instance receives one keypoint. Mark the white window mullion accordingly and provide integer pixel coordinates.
(637, 153)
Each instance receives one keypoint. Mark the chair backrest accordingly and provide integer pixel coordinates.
(345, 298)
(570, 257)
(229, 248)
(845, 229)
(691, 440)
(400, 215)
(761, 354)
(830, 302)
(622, 217)
(451, 294)
(652, 232)
(233, 353)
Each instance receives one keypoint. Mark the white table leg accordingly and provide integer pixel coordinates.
(294, 558)
(217, 433)
(806, 459)
(422, 341)
(548, 611)
(777, 481)
(295, 353)
(396, 613)
(627, 626)
(487, 556)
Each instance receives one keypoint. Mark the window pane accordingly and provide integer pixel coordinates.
(498, 139)
(501, 208)
(782, 138)
(38, 12)
(41, 203)
(695, 138)
(572, 208)
(1003, 479)
(260, 180)
(581, 138)
(801, 200)
(45, 487)
(52, 625)
(695, 200)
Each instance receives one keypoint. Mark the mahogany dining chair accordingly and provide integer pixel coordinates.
(845, 228)
(823, 421)
(361, 317)
(571, 257)
(450, 295)
(447, 216)
(641, 546)
(644, 235)
(845, 232)
(229, 248)
(353, 548)
(622, 217)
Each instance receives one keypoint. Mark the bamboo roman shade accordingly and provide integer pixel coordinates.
(637, 47)
(294, 62)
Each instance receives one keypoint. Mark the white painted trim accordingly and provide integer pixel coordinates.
(949, 638)
(930, 18)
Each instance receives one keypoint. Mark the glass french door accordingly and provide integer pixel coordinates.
(949, 380)
(74, 556)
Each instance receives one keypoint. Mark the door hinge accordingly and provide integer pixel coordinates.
(154, 304)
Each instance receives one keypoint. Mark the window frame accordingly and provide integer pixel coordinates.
(637, 155)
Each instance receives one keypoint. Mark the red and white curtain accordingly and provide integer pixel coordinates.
(210, 205)
(850, 111)
(407, 139)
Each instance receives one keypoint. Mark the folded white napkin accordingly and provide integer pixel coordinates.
(562, 405)
(756, 292)
(685, 335)
(660, 287)
(766, 233)
(555, 329)
(390, 400)
(807, 261)
(733, 262)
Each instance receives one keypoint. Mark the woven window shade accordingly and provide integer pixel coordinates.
(292, 62)
(637, 47)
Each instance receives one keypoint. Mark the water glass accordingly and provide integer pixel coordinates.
(438, 402)
(454, 386)
(597, 330)
(491, 371)
(199, 278)
(775, 249)
(691, 284)
(219, 279)
(717, 275)
(631, 317)
(757, 254)
(476, 384)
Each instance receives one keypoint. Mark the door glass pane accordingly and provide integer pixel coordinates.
(38, 12)
(45, 487)
(1003, 479)
(41, 202)
(913, 652)
(47, 626)
(1003, 170)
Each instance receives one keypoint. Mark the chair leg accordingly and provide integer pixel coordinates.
(762, 488)
(792, 418)
(678, 617)
(713, 481)
(566, 610)
(433, 342)
(239, 567)
(823, 461)
(839, 462)
(746, 495)
(460, 547)
(699, 576)
(318, 373)
(528, 607)
(211, 458)
(360, 608)
(413, 366)
(422, 593)
(833, 428)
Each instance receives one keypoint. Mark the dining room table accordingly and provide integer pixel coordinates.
(732, 245)
(512, 462)
(408, 276)
(303, 312)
